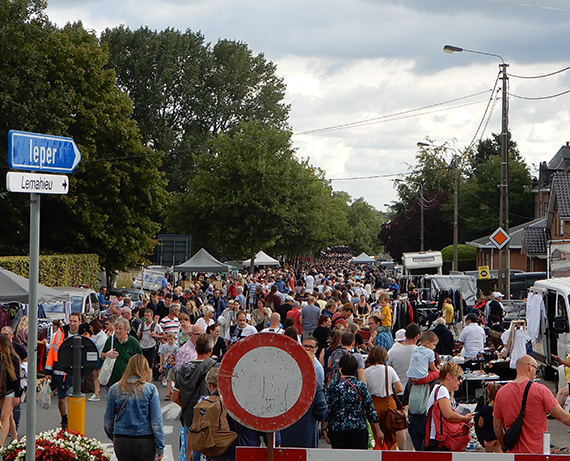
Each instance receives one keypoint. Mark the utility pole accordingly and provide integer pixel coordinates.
(504, 253)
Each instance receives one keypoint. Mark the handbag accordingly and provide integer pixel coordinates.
(454, 436)
(513, 433)
(107, 368)
(44, 396)
(394, 420)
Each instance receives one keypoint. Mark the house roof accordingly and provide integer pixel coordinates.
(534, 240)
(516, 233)
(560, 161)
(561, 189)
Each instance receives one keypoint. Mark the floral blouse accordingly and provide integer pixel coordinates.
(347, 410)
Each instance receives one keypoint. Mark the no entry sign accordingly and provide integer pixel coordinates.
(267, 381)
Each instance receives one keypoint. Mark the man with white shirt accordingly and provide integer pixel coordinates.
(472, 337)
(240, 330)
(274, 325)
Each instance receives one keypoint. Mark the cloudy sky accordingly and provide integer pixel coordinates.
(368, 79)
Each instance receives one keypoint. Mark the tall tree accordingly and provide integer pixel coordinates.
(479, 195)
(57, 84)
(186, 91)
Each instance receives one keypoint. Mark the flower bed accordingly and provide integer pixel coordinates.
(62, 445)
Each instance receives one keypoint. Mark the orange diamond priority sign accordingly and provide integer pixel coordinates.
(500, 238)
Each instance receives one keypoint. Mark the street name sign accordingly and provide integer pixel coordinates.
(41, 152)
(37, 183)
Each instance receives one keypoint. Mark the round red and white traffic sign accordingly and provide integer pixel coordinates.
(267, 381)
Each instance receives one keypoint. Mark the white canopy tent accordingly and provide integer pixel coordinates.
(363, 258)
(202, 261)
(262, 259)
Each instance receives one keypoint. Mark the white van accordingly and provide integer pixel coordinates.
(151, 278)
(555, 329)
(82, 300)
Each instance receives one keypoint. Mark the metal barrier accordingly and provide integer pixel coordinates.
(304, 454)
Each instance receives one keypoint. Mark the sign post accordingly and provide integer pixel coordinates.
(267, 383)
(78, 357)
(39, 153)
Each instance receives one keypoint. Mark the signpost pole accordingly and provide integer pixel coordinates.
(33, 325)
(270, 446)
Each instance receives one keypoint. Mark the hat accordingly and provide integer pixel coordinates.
(289, 298)
(498, 294)
(401, 335)
(471, 317)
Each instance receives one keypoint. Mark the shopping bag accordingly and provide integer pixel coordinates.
(44, 396)
(107, 368)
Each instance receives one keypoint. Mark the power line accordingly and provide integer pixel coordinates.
(528, 5)
(540, 76)
(395, 116)
(528, 98)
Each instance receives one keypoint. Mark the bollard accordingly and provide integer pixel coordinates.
(77, 400)
(77, 413)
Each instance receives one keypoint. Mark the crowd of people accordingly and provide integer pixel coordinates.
(342, 316)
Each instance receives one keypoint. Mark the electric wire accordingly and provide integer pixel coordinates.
(391, 116)
(540, 76)
(539, 98)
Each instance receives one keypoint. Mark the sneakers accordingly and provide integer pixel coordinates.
(94, 398)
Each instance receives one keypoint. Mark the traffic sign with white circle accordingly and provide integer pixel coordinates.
(267, 381)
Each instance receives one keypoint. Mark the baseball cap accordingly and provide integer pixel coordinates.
(498, 294)
(401, 335)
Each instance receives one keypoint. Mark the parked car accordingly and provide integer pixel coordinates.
(151, 278)
(522, 281)
(82, 300)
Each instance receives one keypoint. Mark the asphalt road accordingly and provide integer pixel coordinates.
(94, 411)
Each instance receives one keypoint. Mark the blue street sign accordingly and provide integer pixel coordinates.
(41, 152)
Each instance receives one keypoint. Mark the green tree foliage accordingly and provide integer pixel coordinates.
(251, 194)
(364, 222)
(58, 84)
(464, 253)
(186, 91)
(429, 186)
(479, 194)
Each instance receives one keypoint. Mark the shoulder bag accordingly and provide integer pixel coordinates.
(107, 367)
(395, 420)
(513, 433)
(454, 436)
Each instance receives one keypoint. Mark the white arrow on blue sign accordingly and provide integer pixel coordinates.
(42, 152)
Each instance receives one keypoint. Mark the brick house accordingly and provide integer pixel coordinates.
(529, 245)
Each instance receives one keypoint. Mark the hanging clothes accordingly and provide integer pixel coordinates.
(516, 338)
(535, 312)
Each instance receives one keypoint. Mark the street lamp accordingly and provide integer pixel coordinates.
(422, 200)
(455, 265)
(504, 254)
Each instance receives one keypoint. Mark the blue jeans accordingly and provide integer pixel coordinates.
(417, 431)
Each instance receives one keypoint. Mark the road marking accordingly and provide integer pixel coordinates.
(171, 411)
(168, 454)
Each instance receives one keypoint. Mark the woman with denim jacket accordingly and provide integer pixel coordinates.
(133, 419)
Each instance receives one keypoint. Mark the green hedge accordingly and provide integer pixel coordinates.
(464, 252)
(58, 270)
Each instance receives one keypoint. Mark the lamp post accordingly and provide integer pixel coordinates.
(504, 254)
(421, 187)
(455, 266)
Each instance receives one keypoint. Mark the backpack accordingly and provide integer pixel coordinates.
(210, 432)
(334, 359)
